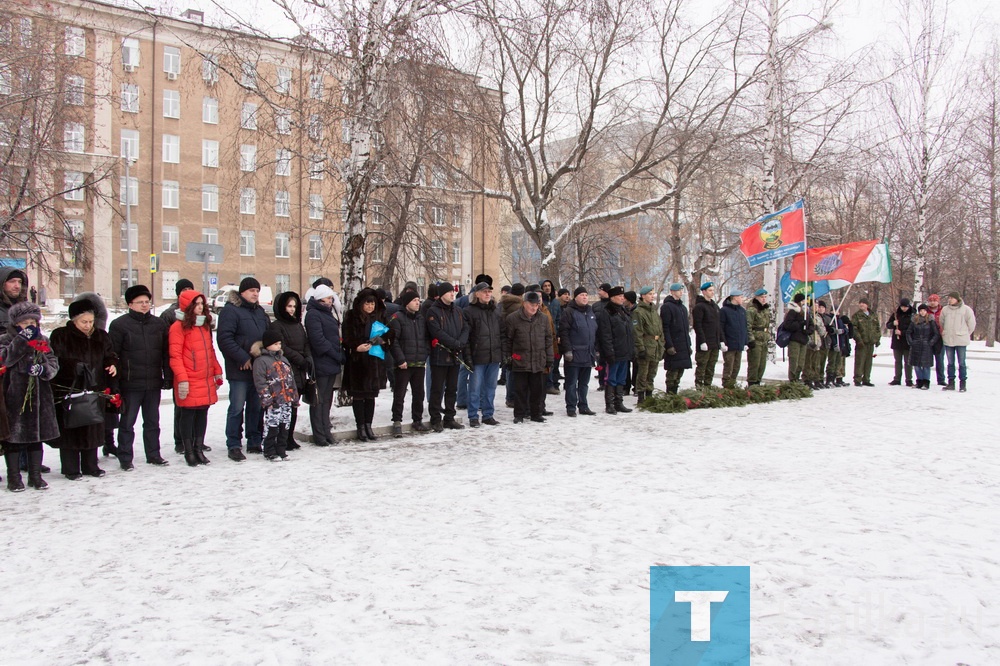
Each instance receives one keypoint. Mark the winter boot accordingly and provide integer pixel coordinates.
(14, 482)
(961, 385)
(362, 435)
(609, 402)
(586, 411)
(909, 382)
(926, 386)
(198, 448)
(370, 433)
(620, 400)
(397, 429)
(895, 382)
(35, 479)
(189, 455)
(950, 386)
(420, 426)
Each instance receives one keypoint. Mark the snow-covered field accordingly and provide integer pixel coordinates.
(869, 517)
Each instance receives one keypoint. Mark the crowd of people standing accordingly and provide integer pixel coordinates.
(455, 350)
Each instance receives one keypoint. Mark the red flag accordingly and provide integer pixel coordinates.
(774, 236)
(833, 262)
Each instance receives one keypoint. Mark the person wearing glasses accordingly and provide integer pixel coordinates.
(141, 342)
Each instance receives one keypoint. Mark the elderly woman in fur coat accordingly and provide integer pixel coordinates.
(86, 361)
(28, 364)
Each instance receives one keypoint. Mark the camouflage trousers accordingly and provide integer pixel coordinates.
(863, 362)
(834, 365)
(705, 362)
(674, 379)
(796, 360)
(815, 369)
(756, 363)
(645, 373)
(731, 362)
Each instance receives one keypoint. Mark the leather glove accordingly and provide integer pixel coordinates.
(723, 346)
(703, 346)
(751, 344)
(568, 356)
(183, 388)
(36, 369)
(671, 351)
(506, 361)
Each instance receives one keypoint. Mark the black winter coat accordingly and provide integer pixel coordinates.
(921, 335)
(796, 324)
(323, 332)
(240, 325)
(615, 337)
(74, 350)
(35, 422)
(733, 320)
(364, 374)
(170, 314)
(676, 334)
(904, 319)
(141, 342)
(409, 337)
(707, 328)
(447, 325)
(528, 341)
(294, 343)
(843, 334)
(484, 333)
(578, 334)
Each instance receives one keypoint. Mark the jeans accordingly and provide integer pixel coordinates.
(412, 378)
(462, 397)
(939, 365)
(552, 381)
(149, 402)
(923, 373)
(244, 408)
(617, 373)
(482, 389)
(952, 352)
(577, 385)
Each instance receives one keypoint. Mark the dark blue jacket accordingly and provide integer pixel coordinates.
(578, 333)
(323, 331)
(676, 334)
(733, 320)
(140, 340)
(615, 336)
(240, 325)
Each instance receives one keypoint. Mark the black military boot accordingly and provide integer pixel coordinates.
(609, 401)
(620, 400)
(189, 455)
(961, 385)
(950, 386)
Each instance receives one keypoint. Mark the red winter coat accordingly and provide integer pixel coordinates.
(193, 360)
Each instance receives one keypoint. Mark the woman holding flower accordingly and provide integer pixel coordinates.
(28, 365)
(86, 361)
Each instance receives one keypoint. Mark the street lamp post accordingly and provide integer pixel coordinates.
(128, 221)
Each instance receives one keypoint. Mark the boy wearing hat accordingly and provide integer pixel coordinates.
(707, 335)
(274, 382)
(141, 341)
(759, 332)
(867, 336)
(648, 331)
(241, 323)
(409, 354)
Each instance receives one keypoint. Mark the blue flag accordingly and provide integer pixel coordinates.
(790, 287)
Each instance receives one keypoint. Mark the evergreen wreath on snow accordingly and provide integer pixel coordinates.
(704, 398)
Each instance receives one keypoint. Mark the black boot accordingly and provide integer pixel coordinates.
(35, 479)
(189, 455)
(961, 385)
(14, 482)
(199, 451)
(397, 429)
(950, 386)
(370, 433)
(620, 400)
(609, 401)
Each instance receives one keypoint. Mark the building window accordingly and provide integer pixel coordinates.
(420, 214)
(283, 121)
(284, 83)
(282, 283)
(171, 61)
(456, 217)
(171, 104)
(316, 86)
(130, 144)
(171, 149)
(130, 97)
(125, 238)
(248, 77)
(437, 251)
(315, 247)
(345, 132)
(210, 198)
(282, 245)
(210, 235)
(248, 116)
(130, 54)
(170, 279)
(377, 214)
(456, 252)
(210, 110)
(377, 252)
(171, 194)
(76, 42)
(124, 279)
(73, 186)
(5, 88)
(317, 164)
(421, 176)
(315, 127)
(281, 203)
(210, 69)
(171, 240)
(438, 177)
(210, 153)
(437, 216)
(283, 162)
(316, 206)
(128, 187)
(248, 201)
(72, 233)
(248, 157)
(75, 86)
(248, 243)
(73, 139)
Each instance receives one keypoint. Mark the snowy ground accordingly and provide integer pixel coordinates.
(868, 516)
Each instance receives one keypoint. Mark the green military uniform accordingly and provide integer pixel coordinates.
(649, 349)
(759, 329)
(816, 351)
(867, 335)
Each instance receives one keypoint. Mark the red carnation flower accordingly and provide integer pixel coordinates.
(434, 342)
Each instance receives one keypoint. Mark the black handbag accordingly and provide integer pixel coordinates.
(82, 409)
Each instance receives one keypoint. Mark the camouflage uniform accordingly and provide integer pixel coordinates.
(648, 331)
(867, 335)
(759, 330)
